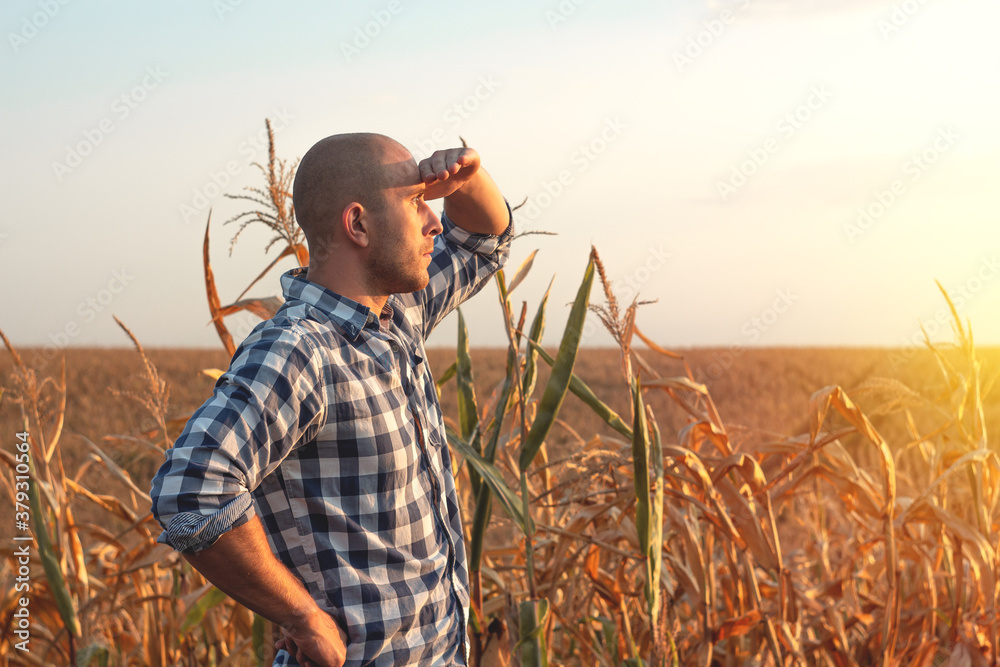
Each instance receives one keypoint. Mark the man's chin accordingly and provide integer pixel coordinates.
(415, 285)
(424, 281)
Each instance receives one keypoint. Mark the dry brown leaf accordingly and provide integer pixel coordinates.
(737, 627)
(213, 295)
(522, 271)
(264, 308)
(653, 346)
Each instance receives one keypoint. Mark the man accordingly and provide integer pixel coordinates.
(315, 486)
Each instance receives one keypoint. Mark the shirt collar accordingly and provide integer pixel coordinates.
(349, 315)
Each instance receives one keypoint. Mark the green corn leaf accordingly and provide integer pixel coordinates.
(509, 500)
(50, 562)
(562, 371)
(535, 336)
(583, 391)
(640, 463)
(480, 519)
(94, 655)
(484, 498)
(502, 286)
(258, 639)
(533, 615)
(448, 374)
(468, 410)
(504, 405)
(196, 614)
(655, 552)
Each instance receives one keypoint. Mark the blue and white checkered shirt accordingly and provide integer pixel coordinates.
(327, 425)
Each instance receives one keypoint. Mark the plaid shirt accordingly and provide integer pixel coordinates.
(327, 425)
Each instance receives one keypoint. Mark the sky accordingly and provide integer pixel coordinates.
(768, 172)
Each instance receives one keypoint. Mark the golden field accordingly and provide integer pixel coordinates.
(761, 395)
(763, 390)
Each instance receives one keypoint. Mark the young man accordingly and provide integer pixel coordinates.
(315, 486)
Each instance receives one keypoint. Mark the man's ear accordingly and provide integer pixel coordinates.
(356, 223)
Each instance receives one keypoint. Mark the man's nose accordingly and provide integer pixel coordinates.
(432, 226)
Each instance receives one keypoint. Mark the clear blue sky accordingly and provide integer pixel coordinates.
(774, 172)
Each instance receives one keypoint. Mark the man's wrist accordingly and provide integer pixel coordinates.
(301, 614)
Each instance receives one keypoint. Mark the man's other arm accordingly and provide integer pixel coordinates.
(240, 563)
(271, 397)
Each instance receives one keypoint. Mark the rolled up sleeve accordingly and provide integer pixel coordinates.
(271, 399)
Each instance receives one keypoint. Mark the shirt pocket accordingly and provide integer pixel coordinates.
(370, 441)
(378, 461)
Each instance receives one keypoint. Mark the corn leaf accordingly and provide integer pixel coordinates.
(583, 391)
(522, 272)
(655, 551)
(50, 562)
(258, 641)
(509, 500)
(468, 410)
(213, 295)
(196, 614)
(448, 374)
(534, 337)
(264, 308)
(562, 371)
(533, 614)
(640, 463)
(94, 655)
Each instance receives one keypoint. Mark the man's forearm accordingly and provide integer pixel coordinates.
(478, 206)
(241, 564)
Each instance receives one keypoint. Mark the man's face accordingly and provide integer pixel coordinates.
(403, 236)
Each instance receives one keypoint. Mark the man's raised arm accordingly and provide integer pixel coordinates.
(471, 199)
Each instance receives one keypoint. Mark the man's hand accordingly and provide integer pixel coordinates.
(471, 198)
(446, 171)
(316, 642)
(241, 564)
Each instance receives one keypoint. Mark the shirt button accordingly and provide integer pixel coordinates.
(394, 345)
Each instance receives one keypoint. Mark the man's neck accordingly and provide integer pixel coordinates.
(345, 284)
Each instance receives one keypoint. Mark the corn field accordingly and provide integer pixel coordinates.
(831, 547)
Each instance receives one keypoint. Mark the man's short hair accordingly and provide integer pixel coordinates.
(336, 171)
